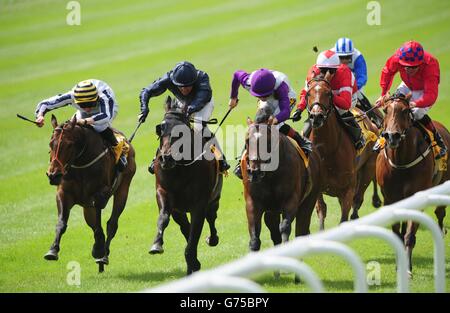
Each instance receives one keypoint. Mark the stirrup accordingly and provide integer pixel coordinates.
(151, 167)
(122, 164)
(223, 166)
(238, 171)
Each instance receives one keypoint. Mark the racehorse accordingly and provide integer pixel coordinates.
(191, 184)
(82, 166)
(406, 165)
(290, 189)
(346, 175)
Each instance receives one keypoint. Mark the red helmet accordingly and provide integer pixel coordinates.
(410, 54)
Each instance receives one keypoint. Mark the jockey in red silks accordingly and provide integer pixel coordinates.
(344, 90)
(271, 88)
(419, 71)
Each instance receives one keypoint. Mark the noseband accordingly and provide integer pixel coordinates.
(325, 109)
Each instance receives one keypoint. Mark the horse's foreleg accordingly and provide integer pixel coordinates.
(440, 214)
(376, 200)
(304, 214)
(346, 203)
(321, 208)
(181, 219)
(272, 221)
(254, 216)
(410, 241)
(211, 216)
(120, 200)
(98, 250)
(64, 203)
(197, 221)
(163, 221)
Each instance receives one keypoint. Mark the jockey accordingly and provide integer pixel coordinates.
(343, 86)
(191, 87)
(96, 106)
(274, 88)
(419, 71)
(354, 59)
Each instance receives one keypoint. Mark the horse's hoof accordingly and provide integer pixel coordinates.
(410, 275)
(297, 279)
(101, 263)
(277, 274)
(51, 256)
(354, 216)
(156, 249)
(212, 241)
(376, 203)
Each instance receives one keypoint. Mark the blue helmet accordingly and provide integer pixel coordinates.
(184, 74)
(344, 46)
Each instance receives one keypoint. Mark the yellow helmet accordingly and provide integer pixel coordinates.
(85, 94)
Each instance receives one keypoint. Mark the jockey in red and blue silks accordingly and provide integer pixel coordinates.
(343, 86)
(420, 74)
(354, 59)
(271, 88)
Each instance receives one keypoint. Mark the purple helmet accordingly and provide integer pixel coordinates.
(262, 83)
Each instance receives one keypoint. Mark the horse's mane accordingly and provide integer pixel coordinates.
(264, 112)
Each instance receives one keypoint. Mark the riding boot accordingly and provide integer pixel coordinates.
(109, 136)
(151, 167)
(354, 131)
(303, 142)
(307, 128)
(428, 123)
(238, 170)
(223, 164)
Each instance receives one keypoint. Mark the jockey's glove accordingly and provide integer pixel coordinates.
(143, 115)
(297, 115)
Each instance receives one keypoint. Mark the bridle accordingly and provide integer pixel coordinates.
(324, 108)
(55, 157)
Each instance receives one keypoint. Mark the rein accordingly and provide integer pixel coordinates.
(326, 110)
(421, 157)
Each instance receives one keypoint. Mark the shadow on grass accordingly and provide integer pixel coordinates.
(151, 277)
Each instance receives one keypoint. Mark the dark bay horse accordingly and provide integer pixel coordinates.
(192, 184)
(289, 189)
(406, 165)
(82, 167)
(345, 175)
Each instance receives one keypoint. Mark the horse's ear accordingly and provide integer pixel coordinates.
(168, 103)
(73, 121)
(54, 121)
(249, 121)
(328, 76)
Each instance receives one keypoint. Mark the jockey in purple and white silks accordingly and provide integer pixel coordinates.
(271, 88)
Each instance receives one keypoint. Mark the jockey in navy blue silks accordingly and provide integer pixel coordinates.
(192, 88)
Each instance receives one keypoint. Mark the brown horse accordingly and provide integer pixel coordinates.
(83, 168)
(345, 175)
(192, 184)
(406, 165)
(290, 189)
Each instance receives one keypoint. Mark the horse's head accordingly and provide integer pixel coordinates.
(258, 141)
(171, 129)
(319, 99)
(398, 119)
(64, 144)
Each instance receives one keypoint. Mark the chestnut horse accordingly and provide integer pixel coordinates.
(289, 189)
(192, 184)
(345, 175)
(83, 167)
(406, 166)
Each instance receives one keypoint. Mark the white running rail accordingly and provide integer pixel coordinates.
(236, 276)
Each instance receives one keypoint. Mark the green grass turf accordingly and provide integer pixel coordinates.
(129, 44)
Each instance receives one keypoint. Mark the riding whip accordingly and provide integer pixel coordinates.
(26, 119)
(134, 133)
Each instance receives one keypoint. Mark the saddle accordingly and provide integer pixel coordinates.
(441, 163)
(123, 146)
(368, 135)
